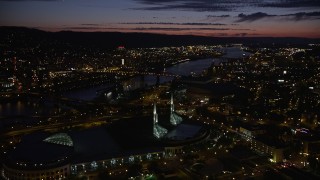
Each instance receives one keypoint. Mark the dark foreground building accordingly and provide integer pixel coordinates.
(54, 156)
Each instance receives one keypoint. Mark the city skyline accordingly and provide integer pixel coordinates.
(233, 18)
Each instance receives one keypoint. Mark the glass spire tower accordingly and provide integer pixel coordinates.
(158, 131)
(175, 119)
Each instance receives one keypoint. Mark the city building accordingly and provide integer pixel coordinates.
(270, 148)
(77, 152)
(258, 142)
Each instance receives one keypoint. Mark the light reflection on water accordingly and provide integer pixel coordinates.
(25, 108)
(194, 67)
(184, 69)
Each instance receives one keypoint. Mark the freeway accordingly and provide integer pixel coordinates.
(61, 125)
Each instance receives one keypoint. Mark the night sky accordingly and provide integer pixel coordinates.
(276, 18)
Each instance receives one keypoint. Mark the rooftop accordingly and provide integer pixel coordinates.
(183, 132)
(121, 138)
(33, 152)
(60, 138)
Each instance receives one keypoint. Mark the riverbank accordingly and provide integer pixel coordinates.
(192, 59)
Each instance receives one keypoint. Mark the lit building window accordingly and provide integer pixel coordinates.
(131, 159)
(94, 165)
(113, 161)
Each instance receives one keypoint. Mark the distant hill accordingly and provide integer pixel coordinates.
(21, 36)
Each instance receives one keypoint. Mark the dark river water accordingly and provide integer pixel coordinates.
(187, 68)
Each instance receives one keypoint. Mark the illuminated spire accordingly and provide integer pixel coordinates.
(175, 119)
(158, 131)
(155, 115)
(171, 103)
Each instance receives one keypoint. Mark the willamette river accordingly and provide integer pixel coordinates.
(184, 69)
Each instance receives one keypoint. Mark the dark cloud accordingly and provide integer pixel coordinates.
(303, 16)
(29, 0)
(290, 3)
(142, 28)
(252, 17)
(222, 5)
(293, 17)
(187, 29)
(170, 23)
(188, 5)
(246, 34)
(178, 29)
(219, 16)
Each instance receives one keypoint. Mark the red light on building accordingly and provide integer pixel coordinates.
(121, 47)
